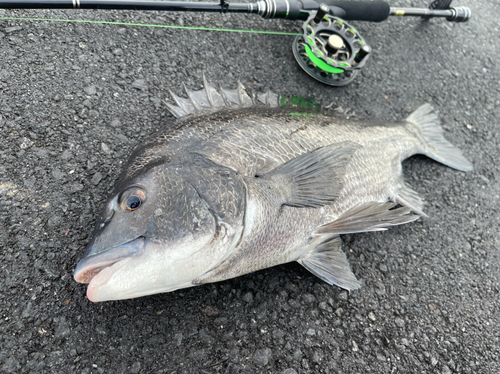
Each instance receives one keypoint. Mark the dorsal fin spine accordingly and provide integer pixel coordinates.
(208, 92)
(240, 93)
(190, 96)
(224, 96)
(211, 99)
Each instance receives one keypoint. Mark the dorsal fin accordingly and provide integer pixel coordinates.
(210, 99)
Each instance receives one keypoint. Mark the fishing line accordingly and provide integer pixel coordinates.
(150, 25)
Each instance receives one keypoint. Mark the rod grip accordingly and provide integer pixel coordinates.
(370, 11)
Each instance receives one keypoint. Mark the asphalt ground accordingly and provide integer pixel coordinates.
(76, 98)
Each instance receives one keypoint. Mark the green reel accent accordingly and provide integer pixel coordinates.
(320, 63)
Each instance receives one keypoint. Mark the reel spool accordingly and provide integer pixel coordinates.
(330, 50)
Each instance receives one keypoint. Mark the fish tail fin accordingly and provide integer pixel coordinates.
(435, 145)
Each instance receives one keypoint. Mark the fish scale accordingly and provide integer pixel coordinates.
(239, 183)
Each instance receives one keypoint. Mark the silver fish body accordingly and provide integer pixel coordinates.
(232, 188)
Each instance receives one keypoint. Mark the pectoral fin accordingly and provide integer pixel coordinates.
(327, 261)
(315, 178)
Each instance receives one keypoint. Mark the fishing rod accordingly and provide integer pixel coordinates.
(330, 49)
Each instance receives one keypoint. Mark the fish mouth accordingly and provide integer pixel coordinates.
(90, 266)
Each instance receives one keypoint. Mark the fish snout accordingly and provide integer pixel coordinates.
(91, 264)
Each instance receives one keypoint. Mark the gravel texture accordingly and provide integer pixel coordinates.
(76, 98)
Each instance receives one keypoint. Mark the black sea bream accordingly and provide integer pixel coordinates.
(234, 186)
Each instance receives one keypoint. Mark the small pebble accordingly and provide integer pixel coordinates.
(308, 298)
(116, 123)
(248, 297)
(342, 296)
(62, 329)
(140, 84)
(178, 339)
(10, 30)
(96, 179)
(399, 322)
(66, 155)
(210, 311)
(355, 347)
(90, 90)
(105, 148)
(261, 357)
(135, 368)
(446, 370)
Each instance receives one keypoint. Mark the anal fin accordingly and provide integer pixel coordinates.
(372, 216)
(410, 198)
(328, 262)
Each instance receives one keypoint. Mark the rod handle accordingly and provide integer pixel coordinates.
(370, 11)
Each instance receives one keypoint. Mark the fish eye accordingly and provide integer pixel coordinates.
(132, 199)
(133, 202)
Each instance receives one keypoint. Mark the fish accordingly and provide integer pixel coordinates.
(241, 182)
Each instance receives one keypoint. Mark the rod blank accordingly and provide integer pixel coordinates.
(129, 5)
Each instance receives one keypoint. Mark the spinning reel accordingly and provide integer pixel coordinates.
(330, 49)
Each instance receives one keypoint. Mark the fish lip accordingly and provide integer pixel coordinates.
(90, 266)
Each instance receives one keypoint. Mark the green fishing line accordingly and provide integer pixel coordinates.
(148, 25)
